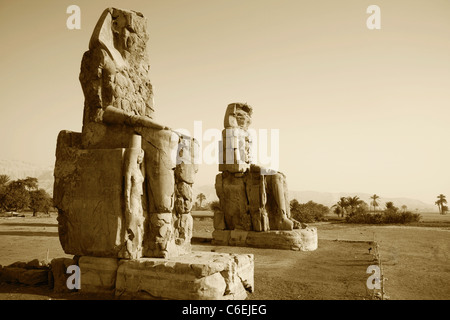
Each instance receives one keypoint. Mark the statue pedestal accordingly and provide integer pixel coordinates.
(297, 239)
(194, 276)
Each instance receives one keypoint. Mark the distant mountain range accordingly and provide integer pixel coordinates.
(44, 174)
(21, 169)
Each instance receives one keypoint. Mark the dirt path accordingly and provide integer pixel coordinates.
(24, 239)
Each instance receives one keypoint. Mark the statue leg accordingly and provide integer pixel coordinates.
(256, 193)
(185, 171)
(234, 202)
(160, 149)
(282, 221)
(134, 215)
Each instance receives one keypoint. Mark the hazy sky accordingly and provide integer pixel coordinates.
(358, 110)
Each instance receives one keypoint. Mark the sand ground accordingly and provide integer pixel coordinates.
(416, 260)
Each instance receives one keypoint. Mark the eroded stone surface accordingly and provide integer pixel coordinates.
(32, 273)
(98, 275)
(24, 276)
(299, 239)
(59, 274)
(199, 275)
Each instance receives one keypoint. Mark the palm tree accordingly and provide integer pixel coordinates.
(374, 202)
(441, 202)
(4, 179)
(341, 206)
(404, 207)
(354, 202)
(201, 197)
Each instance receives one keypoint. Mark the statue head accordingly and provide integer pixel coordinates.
(122, 34)
(238, 115)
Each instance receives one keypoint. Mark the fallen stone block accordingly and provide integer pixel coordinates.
(10, 274)
(30, 277)
(37, 264)
(34, 277)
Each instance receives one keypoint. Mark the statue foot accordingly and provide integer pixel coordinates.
(298, 224)
(285, 224)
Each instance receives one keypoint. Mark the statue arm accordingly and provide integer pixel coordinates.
(114, 115)
(111, 114)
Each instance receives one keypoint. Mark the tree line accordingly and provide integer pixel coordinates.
(355, 210)
(21, 194)
(350, 209)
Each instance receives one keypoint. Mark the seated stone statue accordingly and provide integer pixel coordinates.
(251, 198)
(118, 115)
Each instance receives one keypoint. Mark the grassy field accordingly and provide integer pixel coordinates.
(433, 219)
(416, 259)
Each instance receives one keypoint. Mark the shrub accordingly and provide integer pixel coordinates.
(214, 206)
(391, 216)
(410, 217)
(377, 218)
(308, 212)
(387, 217)
(361, 216)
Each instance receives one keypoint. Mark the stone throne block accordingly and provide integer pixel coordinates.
(88, 192)
(103, 209)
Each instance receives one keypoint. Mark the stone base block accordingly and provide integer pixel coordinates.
(59, 274)
(98, 275)
(195, 276)
(297, 239)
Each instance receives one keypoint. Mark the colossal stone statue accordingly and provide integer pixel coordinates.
(253, 199)
(117, 182)
(123, 186)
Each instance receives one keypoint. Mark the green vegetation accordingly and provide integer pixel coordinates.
(201, 197)
(340, 207)
(441, 203)
(308, 212)
(374, 202)
(391, 214)
(214, 206)
(40, 201)
(22, 194)
(357, 211)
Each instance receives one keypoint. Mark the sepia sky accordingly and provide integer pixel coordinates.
(357, 110)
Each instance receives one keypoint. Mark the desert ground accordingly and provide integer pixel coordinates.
(415, 259)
